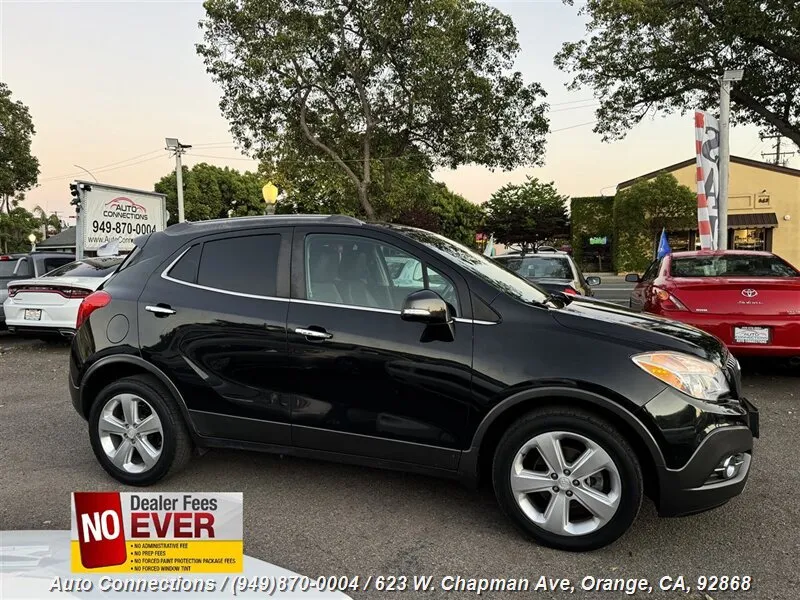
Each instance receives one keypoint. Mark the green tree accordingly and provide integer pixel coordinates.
(354, 82)
(49, 224)
(644, 56)
(526, 214)
(19, 169)
(16, 224)
(211, 192)
(642, 210)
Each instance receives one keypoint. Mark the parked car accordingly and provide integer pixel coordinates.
(750, 300)
(313, 351)
(48, 305)
(553, 271)
(24, 266)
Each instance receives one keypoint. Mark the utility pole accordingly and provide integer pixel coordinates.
(725, 153)
(778, 154)
(175, 146)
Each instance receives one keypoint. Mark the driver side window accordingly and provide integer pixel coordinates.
(358, 271)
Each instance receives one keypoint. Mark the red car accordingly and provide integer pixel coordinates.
(750, 300)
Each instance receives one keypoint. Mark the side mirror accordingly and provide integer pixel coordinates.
(593, 280)
(632, 278)
(426, 306)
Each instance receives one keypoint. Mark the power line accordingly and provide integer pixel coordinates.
(573, 126)
(100, 168)
(593, 105)
(106, 169)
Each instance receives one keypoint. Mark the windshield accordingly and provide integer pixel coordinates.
(480, 266)
(538, 267)
(88, 267)
(741, 265)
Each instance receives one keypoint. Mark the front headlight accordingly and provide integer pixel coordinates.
(693, 376)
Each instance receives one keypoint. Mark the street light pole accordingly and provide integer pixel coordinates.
(174, 145)
(725, 153)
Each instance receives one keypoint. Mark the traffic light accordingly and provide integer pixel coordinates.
(75, 192)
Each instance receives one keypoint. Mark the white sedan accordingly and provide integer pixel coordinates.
(49, 304)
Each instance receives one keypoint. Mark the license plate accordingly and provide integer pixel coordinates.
(751, 335)
(33, 314)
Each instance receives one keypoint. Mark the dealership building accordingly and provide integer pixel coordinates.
(763, 206)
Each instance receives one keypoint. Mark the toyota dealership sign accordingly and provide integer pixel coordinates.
(112, 214)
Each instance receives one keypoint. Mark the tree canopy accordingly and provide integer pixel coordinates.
(366, 82)
(527, 213)
(209, 192)
(19, 169)
(645, 56)
(642, 210)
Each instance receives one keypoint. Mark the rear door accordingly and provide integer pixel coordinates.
(213, 317)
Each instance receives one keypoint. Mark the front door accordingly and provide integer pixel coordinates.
(365, 383)
(214, 320)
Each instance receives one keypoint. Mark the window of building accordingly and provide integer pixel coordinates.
(749, 239)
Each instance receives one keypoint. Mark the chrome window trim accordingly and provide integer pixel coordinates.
(165, 276)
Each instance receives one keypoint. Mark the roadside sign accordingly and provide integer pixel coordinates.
(115, 214)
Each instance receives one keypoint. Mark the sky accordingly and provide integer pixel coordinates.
(107, 81)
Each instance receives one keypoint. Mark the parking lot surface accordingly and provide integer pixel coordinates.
(320, 518)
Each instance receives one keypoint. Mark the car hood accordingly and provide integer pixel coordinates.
(647, 332)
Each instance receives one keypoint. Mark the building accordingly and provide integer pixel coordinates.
(60, 242)
(763, 206)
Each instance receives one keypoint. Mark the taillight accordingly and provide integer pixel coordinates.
(667, 301)
(49, 289)
(570, 291)
(90, 304)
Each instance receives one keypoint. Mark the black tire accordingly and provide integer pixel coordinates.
(599, 431)
(176, 449)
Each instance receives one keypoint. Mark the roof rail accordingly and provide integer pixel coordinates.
(344, 220)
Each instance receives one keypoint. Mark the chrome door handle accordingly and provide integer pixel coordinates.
(311, 333)
(159, 310)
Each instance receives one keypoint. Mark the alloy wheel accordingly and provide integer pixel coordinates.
(565, 483)
(130, 433)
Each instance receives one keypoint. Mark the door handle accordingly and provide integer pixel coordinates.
(314, 334)
(160, 311)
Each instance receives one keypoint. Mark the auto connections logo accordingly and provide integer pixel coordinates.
(156, 533)
(124, 208)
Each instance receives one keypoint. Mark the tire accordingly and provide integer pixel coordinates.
(173, 444)
(619, 485)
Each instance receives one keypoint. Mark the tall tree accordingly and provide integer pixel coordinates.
(356, 81)
(211, 192)
(646, 56)
(527, 214)
(642, 210)
(19, 169)
(16, 224)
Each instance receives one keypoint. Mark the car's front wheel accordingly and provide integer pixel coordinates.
(137, 431)
(568, 479)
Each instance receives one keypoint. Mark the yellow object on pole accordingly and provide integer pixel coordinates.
(270, 193)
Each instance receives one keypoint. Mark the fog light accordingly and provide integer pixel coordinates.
(729, 467)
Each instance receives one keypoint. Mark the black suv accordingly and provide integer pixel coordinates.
(289, 334)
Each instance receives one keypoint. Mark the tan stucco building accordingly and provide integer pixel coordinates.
(763, 206)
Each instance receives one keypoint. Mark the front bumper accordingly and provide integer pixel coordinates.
(696, 487)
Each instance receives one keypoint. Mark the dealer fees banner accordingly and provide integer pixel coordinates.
(157, 532)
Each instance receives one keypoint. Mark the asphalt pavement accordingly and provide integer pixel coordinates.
(319, 518)
(612, 288)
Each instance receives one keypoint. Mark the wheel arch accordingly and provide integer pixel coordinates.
(475, 463)
(112, 368)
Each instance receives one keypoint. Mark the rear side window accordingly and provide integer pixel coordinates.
(247, 265)
(54, 263)
(186, 267)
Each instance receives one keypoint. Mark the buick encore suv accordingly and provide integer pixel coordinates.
(289, 334)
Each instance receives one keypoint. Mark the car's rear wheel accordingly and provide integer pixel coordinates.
(137, 431)
(568, 479)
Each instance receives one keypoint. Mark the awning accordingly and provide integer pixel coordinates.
(753, 221)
